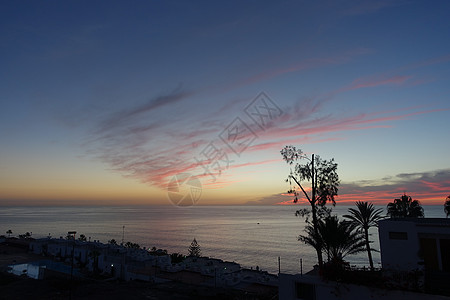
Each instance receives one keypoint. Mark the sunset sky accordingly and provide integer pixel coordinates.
(103, 102)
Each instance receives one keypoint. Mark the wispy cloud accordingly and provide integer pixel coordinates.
(303, 65)
(141, 142)
(125, 117)
(428, 62)
(365, 83)
(137, 143)
(313, 128)
(251, 164)
(429, 187)
(394, 77)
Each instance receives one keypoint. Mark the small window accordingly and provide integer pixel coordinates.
(394, 235)
(305, 291)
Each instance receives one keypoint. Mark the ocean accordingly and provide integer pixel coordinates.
(249, 235)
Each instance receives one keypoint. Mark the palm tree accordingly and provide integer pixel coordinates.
(176, 258)
(405, 207)
(9, 232)
(312, 238)
(340, 238)
(336, 238)
(447, 206)
(364, 217)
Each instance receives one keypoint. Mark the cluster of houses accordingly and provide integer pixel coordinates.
(114, 261)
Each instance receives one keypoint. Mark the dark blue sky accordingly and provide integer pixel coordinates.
(107, 101)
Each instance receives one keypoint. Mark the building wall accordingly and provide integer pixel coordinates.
(412, 244)
(396, 252)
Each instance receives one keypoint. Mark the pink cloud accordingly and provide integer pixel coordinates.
(362, 83)
(157, 169)
(249, 164)
(306, 64)
(430, 188)
(280, 144)
(429, 62)
(438, 187)
(387, 79)
(427, 187)
(154, 152)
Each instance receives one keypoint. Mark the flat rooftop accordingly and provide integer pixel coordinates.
(445, 222)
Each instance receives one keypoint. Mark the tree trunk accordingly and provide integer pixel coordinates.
(316, 231)
(314, 211)
(369, 253)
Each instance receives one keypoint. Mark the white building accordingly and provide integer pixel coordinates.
(114, 260)
(417, 247)
(415, 243)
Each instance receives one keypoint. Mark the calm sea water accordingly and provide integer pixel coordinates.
(249, 235)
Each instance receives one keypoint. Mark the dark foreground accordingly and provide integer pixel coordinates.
(22, 287)
(14, 287)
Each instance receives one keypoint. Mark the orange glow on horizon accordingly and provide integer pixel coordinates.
(377, 198)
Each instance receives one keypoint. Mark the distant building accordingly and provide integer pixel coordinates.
(128, 264)
(114, 260)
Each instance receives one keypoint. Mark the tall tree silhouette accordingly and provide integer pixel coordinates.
(405, 207)
(194, 249)
(364, 217)
(447, 206)
(324, 181)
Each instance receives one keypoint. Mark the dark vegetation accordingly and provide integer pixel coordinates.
(324, 182)
(447, 206)
(405, 207)
(332, 238)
